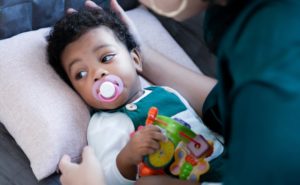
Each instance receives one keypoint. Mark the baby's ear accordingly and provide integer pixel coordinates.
(137, 59)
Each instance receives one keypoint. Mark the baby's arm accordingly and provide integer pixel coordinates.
(108, 134)
(145, 141)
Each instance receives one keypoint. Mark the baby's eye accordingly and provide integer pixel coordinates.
(107, 58)
(80, 75)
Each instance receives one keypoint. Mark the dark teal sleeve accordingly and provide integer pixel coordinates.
(211, 114)
(264, 143)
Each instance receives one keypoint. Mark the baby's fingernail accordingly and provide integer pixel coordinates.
(165, 138)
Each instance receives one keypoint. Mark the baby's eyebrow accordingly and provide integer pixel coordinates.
(76, 60)
(101, 46)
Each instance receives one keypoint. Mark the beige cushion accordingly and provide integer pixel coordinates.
(45, 117)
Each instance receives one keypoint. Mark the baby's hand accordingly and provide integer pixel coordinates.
(144, 142)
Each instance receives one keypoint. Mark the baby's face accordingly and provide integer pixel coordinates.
(95, 55)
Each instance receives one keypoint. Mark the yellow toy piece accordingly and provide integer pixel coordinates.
(163, 156)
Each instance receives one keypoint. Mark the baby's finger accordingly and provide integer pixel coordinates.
(152, 128)
(152, 144)
(156, 132)
(150, 149)
(158, 136)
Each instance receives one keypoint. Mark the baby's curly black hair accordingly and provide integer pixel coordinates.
(73, 26)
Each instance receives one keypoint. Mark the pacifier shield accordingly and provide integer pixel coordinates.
(108, 88)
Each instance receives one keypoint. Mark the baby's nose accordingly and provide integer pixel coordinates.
(100, 74)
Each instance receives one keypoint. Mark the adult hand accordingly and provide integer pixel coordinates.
(163, 179)
(115, 7)
(88, 172)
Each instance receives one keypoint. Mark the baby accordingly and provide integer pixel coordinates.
(95, 54)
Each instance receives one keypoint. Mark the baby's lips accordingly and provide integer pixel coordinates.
(108, 89)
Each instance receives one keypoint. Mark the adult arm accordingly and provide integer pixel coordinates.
(161, 70)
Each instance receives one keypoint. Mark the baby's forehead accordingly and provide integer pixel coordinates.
(104, 32)
(93, 40)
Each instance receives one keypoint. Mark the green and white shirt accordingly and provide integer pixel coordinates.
(109, 132)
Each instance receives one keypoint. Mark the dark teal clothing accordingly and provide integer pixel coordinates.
(167, 103)
(258, 94)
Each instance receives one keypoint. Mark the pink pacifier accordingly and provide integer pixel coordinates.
(108, 89)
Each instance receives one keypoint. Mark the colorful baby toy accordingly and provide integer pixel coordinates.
(183, 153)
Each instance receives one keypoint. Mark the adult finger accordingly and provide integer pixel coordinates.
(125, 19)
(65, 163)
(119, 11)
(88, 155)
(71, 10)
(91, 5)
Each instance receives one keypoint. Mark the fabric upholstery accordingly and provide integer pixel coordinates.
(14, 165)
(17, 16)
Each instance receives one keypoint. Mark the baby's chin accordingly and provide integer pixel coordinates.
(108, 105)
